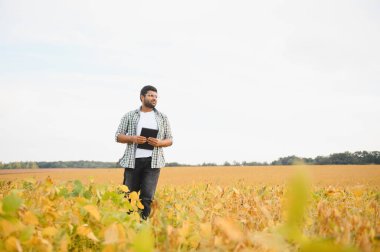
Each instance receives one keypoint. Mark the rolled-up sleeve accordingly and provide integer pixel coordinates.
(167, 129)
(123, 127)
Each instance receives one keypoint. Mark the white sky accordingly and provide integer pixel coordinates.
(239, 80)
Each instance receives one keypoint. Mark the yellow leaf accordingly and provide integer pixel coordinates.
(218, 241)
(206, 230)
(270, 242)
(267, 214)
(7, 228)
(133, 196)
(93, 211)
(34, 241)
(184, 231)
(194, 240)
(12, 244)
(235, 190)
(30, 180)
(218, 206)
(81, 200)
(122, 234)
(87, 232)
(92, 236)
(64, 244)
(169, 229)
(30, 218)
(111, 235)
(219, 188)
(123, 188)
(46, 245)
(49, 181)
(358, 192)
(229, 229)
(83, 230)
(49, 231)
(109, 248)
(177, 206)
(139, 205)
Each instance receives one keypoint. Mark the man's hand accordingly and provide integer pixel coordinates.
(139, 139)
(155, 142)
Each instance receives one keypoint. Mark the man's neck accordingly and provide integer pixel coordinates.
(145, 109)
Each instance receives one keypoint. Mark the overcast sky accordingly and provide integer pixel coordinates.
(239, 80)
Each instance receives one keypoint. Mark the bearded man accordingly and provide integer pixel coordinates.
(144, 157)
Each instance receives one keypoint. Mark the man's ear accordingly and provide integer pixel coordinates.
(141, 96)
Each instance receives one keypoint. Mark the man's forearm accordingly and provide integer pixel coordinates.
(125, 139)
(134, 139)
(166, 142)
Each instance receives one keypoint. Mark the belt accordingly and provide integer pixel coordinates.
(144, 158)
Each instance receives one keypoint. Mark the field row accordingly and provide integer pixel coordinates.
(268, 175)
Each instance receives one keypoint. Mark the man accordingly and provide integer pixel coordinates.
(142, 166)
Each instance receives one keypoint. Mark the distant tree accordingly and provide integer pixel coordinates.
(235, 163)
(226, 164)
(308, 160)
(208, 164)
(341, 158)
(255, 164)
(321, 160)
(367, 157)
(290, 160)
(34, 165)
(173, 164)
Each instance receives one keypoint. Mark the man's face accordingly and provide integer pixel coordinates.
(150, 99)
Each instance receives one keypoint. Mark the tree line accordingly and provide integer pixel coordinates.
(59, 164)
(344, 158)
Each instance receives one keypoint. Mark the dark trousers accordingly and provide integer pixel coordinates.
(143, 178)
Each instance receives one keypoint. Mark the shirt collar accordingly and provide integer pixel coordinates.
(139, 110)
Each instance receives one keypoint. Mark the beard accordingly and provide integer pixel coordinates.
(149, 104)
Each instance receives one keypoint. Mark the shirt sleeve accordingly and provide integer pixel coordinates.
(167, 129)
(123, 126)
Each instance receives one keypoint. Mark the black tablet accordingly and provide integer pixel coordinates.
(147, 133)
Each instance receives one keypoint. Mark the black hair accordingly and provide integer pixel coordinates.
(145, 90)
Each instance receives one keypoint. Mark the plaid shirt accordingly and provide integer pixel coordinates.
(128, 126)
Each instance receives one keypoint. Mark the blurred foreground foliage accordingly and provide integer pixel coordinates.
(45, 216)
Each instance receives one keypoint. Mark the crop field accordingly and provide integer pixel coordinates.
(289, 208)
(255, 175)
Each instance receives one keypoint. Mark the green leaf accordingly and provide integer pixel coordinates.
(143, 241)
(297, 196)
(87, 194)
(63, 192)
(26, 234)
(324, 245)
(78, 188)
(11, 203)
